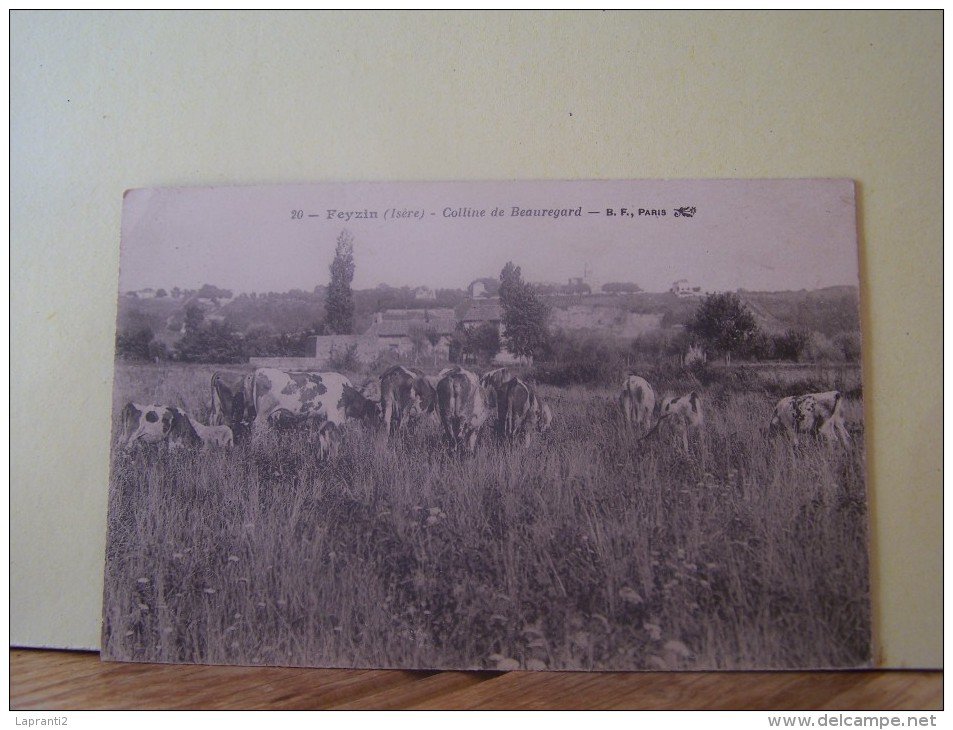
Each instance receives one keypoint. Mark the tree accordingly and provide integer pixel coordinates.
(213, 342)
(134, 344)
(160, 292)
(792, 344)
(433, 337)
(210, 291)
(418, 339)
(339, 306)
(194, 317)
(525, 315)
(485, 341)
(724, 323)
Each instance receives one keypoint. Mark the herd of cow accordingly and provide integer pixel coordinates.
(269, 398)
(462, 402)
(813, 414)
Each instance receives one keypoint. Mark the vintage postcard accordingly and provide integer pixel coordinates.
(574, 425)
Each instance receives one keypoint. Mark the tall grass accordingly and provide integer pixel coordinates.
(588, 550)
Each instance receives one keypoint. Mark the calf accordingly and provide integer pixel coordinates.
(817, 414)
(463, 406)
(155, 424)
(637, 402)
(210, 436)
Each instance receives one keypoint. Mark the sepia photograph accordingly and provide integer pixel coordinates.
(600, 425)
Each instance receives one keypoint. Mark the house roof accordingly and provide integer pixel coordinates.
(403, 327)
(490, 311)
(431, 314)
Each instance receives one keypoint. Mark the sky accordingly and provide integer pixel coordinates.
(767, 235)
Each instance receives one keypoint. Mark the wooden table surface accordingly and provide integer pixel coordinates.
(63, 680)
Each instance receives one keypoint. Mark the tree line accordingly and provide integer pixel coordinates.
(721, 325)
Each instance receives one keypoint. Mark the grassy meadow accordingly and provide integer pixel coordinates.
(588, 550)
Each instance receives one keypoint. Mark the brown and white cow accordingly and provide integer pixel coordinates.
(686, 410)
(156, 424)
(298, 396)
(496, 379)
(520, 412)
(637, 402)
(406, 395)
(816, 414)
(463, 407)
(232, 402)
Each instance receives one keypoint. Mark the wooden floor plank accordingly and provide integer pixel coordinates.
(426, 690)
(55, 680)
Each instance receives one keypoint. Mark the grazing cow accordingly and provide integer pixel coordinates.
(463, 406)
(520, 412)
(232, 402)
(155, 424)
(405, 394)
(308, 396)
(817, 414)
(686, 409)
(496, 379)
(637, 401)
(359, 405)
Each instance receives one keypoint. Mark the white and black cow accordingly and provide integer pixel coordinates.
(157, 424)
(463, 407)
(685, 410)
(298, 396)
(815, 414)
(637, 402)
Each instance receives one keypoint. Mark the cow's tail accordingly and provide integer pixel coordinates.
(454, 419)
(838, 399)
(253, 406)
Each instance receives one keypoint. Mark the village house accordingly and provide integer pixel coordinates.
(682, 288)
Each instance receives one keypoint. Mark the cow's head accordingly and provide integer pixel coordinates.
(358, 405)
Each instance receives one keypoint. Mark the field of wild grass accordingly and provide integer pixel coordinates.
(586, 551)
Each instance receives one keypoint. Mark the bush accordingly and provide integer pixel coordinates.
(213, 342)
(849, 345)
(345, 360)
(134, 344)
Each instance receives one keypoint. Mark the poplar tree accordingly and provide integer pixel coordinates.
(525, 315)
(339, 314)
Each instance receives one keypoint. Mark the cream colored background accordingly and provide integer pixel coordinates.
(102, 102)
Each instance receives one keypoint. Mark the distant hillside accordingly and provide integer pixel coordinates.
(298, 313)
(828, 311)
